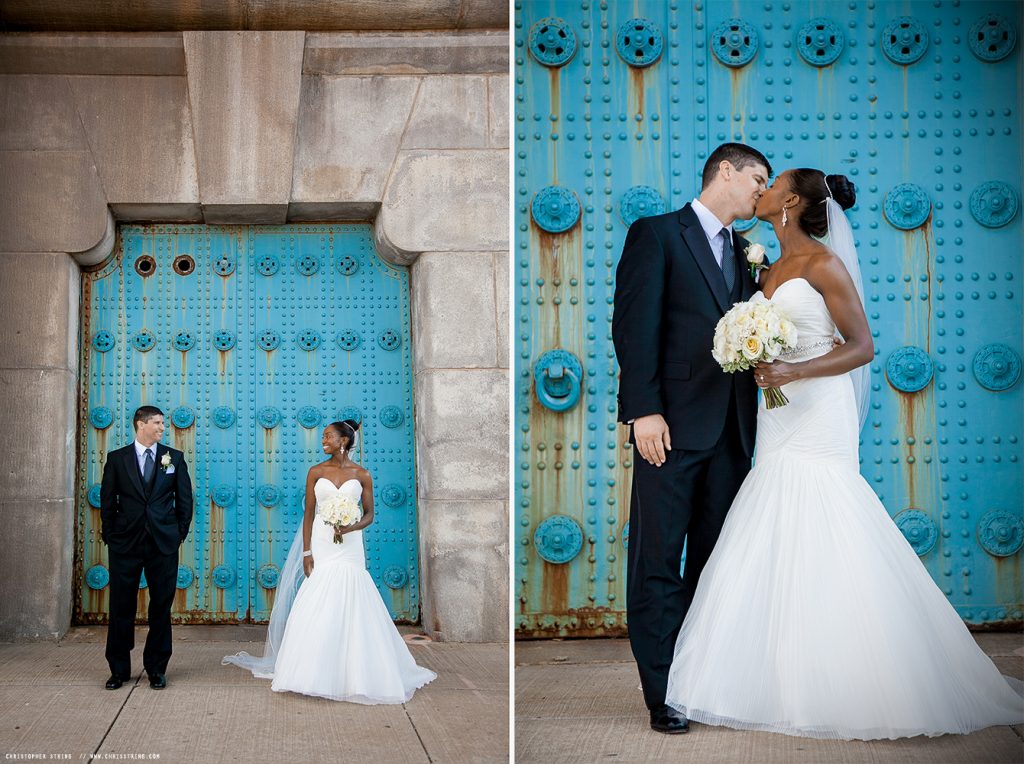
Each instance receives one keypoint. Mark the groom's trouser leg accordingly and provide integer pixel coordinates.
(661, 506)
(721, 481)
(162, 576)
(125, 573)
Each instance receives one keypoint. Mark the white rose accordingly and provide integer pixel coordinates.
(755, 254)
(165, 460)
(752, 348)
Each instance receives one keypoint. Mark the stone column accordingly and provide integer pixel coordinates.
(38, 393)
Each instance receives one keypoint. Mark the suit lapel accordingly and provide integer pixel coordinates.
(132, 465)
(693, 234)
(748, 285)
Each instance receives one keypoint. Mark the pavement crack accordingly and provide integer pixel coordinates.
(113, 721)
(418, 736)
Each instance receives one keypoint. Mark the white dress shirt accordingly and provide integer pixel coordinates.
(140, 456)
(712, 228)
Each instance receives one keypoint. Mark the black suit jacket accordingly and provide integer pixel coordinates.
(128, 508)
(669, 295)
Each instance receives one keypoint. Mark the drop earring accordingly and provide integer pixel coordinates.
(785, 217)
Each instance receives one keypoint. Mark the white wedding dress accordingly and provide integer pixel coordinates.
(814, 616)
(339, 641)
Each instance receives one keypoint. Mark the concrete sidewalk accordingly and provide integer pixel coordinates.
(577, 701)
(52, 701)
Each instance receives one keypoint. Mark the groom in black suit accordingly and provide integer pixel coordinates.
(692, 424)
(145, 512)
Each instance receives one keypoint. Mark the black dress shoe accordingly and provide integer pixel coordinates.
(158, 681)
(114, 683)
(668, 721)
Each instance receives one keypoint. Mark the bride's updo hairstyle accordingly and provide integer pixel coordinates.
(347, 429)
(809, 185)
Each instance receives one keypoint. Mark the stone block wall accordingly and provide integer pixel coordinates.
(408, 130)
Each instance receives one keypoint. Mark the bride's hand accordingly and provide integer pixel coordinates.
(307, 566)
(775, 374)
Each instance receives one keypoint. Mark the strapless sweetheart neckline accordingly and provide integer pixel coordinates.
(788, 281)
(338, 487)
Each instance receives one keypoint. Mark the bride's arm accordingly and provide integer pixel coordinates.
(307, 521)
(366, 481)
(830, 277)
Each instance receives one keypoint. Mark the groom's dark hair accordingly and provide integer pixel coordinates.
(739, 155)
(144, 414)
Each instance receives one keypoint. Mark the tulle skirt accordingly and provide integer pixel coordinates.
(814, 616)
(340, 642)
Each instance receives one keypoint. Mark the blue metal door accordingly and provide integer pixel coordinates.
(250, 340)
(618, 105)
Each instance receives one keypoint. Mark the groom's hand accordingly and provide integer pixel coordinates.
(652, 438)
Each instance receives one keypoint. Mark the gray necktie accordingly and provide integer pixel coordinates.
(147, 469)
(728, 260)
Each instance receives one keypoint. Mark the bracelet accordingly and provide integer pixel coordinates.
(308, 553)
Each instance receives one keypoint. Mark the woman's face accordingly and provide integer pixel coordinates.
(772, 199)
(332, 440)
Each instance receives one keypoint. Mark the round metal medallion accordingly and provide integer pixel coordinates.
(143, 341)
(184, 341)
(393, 495)
(223, 340)
(909, 369)
(390, 340)
(268, 576)
(734, 42)
(225, 265)
(907, 206)
(268, 265)
(97, 577)
(395, 577)
(101, 417)
(348, 340)
(309, 417)
(992, 38)
(391, 416)
(103, 341)
(904, 40)
(552, 42)
(268, 417)
(996, 366)
(268, 340)
(185, 577)
(558, 539)
(347, 265)
(94, 496)
(1001, 533)
(639, 42)
(555, 209)
(223, 577)
(918, 529)
(223, 496)
(183, 417)
(268, 496)
(640, 202)
(309, 339)
(223, 417)
(819, 42)
(994, 204)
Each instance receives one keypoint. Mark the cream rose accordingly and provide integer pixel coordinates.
(755, 254)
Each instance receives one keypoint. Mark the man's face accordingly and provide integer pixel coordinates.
(747, 185)
(150, 431)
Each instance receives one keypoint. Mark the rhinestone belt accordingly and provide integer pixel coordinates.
(802, 349)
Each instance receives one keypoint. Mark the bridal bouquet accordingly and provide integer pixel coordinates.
(339, 511)
(752, 332)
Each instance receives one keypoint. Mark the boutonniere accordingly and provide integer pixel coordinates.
(755, 258)
(165, 461)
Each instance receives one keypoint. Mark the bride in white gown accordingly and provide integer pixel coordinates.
(333, 637)
(814, 616)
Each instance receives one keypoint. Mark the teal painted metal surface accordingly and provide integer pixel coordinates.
(918, 103)
(251, 340)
